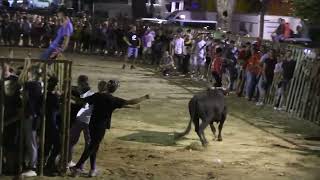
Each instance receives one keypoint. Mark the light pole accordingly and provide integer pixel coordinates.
(262, 13)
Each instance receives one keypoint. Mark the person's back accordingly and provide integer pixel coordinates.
(103, 106)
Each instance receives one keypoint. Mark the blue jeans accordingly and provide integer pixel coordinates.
(47, 53)
(252, 81)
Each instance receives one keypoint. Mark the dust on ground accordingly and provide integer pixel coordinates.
(258, 143)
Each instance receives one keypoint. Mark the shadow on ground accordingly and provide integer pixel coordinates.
(152, 137)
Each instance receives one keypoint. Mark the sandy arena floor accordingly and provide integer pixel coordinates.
(258, 143)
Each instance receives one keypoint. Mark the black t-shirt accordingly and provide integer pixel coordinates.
(270, 65)
(34, 103)
(133, 39)
(103, 106)
(288, 69)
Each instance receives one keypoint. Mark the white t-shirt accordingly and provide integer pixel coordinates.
(84, 113)
(201, 49)
(179, 46)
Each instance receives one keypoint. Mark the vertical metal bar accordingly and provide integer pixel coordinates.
(2, 117)
(43, 119)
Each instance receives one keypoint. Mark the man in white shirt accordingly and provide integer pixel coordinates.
(178, 52)
(83, 117)
(201, 56)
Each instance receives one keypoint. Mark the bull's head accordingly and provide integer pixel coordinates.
(224, 90)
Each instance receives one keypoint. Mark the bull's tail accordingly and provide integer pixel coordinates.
(192, 111)
(180, 135)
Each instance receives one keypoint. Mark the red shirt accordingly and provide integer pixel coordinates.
(254, 64)
(216, 65)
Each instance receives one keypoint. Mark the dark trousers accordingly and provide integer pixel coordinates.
(97, 134)
(179, 61)
(185, 65)
(52, 139)
(218, 79)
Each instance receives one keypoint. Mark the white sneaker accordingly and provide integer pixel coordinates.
(259, 104)
(71, 164)
(275, 108)
(29, 173)
(93, 173)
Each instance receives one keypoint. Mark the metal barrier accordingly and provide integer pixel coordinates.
(62, 70)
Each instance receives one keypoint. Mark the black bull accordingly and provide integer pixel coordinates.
(210, 107)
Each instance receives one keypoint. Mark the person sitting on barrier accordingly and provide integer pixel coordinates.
(104, 103)
(82, 118)
(61, 41)
(12, 113)
(52, 128)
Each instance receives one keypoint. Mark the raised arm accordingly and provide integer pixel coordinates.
(137, 100)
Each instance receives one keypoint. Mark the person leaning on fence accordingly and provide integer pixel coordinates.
(12, 115)
(53, 118)
(33, 97)
(267, 74)
(61, 41)
(104, 103)
(288, 67)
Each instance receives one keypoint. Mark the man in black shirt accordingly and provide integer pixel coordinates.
(104, 103)
(133, 41)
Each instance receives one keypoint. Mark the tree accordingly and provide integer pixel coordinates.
(225, 9)
(139, 8)
(309, 12)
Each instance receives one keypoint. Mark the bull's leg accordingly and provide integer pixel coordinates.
(213, 129)
(223, 118)
(203, 138)
(220, 129)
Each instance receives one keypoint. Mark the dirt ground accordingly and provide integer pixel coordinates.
(258, 143)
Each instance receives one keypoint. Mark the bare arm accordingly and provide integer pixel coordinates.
(65, 43)
(132, 107)
(138, 100)
(126, 40)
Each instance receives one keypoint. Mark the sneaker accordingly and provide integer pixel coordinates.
(71, 164)
(123, 66)
(93, 173)
(259, 104)
(132, 67)
(29, 173)
(275, 108)
(75, 172)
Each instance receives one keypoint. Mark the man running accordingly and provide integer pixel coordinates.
(60, 43)
(133, 41)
